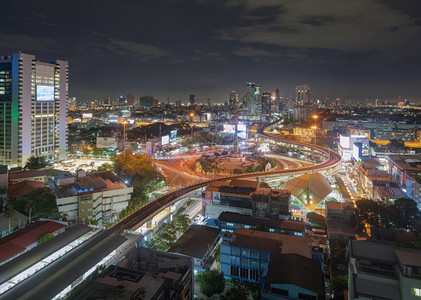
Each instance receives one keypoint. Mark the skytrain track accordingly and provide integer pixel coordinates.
(152, 208)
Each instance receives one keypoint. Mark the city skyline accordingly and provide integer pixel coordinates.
(357, 50)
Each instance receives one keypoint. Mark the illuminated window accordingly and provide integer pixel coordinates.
(416, 292)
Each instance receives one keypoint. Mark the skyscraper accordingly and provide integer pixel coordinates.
(129, 98)
(266, 105)
(192, 99)
(33, 110)
(233, 98)
(302, 95)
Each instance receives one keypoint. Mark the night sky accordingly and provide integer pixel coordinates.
(349, 48)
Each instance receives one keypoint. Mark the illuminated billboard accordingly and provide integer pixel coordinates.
(87, 116)
(45, 93)
(241, 130)
(173, 135)
(165, 140)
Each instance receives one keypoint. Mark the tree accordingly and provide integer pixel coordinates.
(368, 214)
(236, 292)
(263, 184)
(9, 212)
(249, 169)
(137, 166)
(35, 162)
(105, 167)
(44, 238)
(29, 207)
(338, 285)
(45, 202)
(211, 282)
(181, 223)
(404, 214)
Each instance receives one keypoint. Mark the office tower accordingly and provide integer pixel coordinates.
(233, 98)
(130, 98)
(106, 102)
(178, 103)
(33, 110)
(192, 99)
(122, 100)
(210, 102)
(302, 95)
(266, 105)
(146, 102)
(277, 95)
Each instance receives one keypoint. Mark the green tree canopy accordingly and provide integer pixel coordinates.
(35, 162)
(45, 237)
(211, 282)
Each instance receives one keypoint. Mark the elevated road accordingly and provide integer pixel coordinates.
(152, 208)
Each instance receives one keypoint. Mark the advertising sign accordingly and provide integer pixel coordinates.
(165, 140)
(173, 135)
(241, 130)
(45, 93)
(216, 198)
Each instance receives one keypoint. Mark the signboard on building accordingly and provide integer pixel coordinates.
(165, 140)
(173, 135)
(216, 198)
(45, 93)
(241, 130)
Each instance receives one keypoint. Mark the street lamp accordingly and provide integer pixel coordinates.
(191, 121)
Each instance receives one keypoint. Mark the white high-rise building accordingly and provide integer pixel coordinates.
(33, 109)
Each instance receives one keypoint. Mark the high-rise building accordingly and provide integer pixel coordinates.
(210, 101)
(266, 105)
(33, 97)
(302, 95)
(192, 99)
(130, 98)
(146, 102)
(233, 98)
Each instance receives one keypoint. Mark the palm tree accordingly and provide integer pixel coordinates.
(29, 207)
(9, 212)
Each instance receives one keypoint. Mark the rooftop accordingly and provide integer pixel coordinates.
(196, 241)
(297, 270)
(17, 242)
(92, 182)
(309, 188)
(26, 174)
(269, 242)
(23, 188)
(409, 163)
(268, 222)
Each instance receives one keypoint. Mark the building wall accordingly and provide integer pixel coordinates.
(242, 263)
(36, 127)
(293, 290)
(213, 211)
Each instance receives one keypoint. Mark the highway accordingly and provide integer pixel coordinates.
(152, 208)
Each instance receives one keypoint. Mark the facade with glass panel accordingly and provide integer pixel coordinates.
(33, 109)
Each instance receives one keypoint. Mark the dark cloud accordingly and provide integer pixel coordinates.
(168, 48)
(359, 25)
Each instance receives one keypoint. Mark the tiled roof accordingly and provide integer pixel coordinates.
(27, 174)
(23, 188)
(21, 239)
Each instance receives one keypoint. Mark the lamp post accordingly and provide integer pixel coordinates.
(191, 123)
